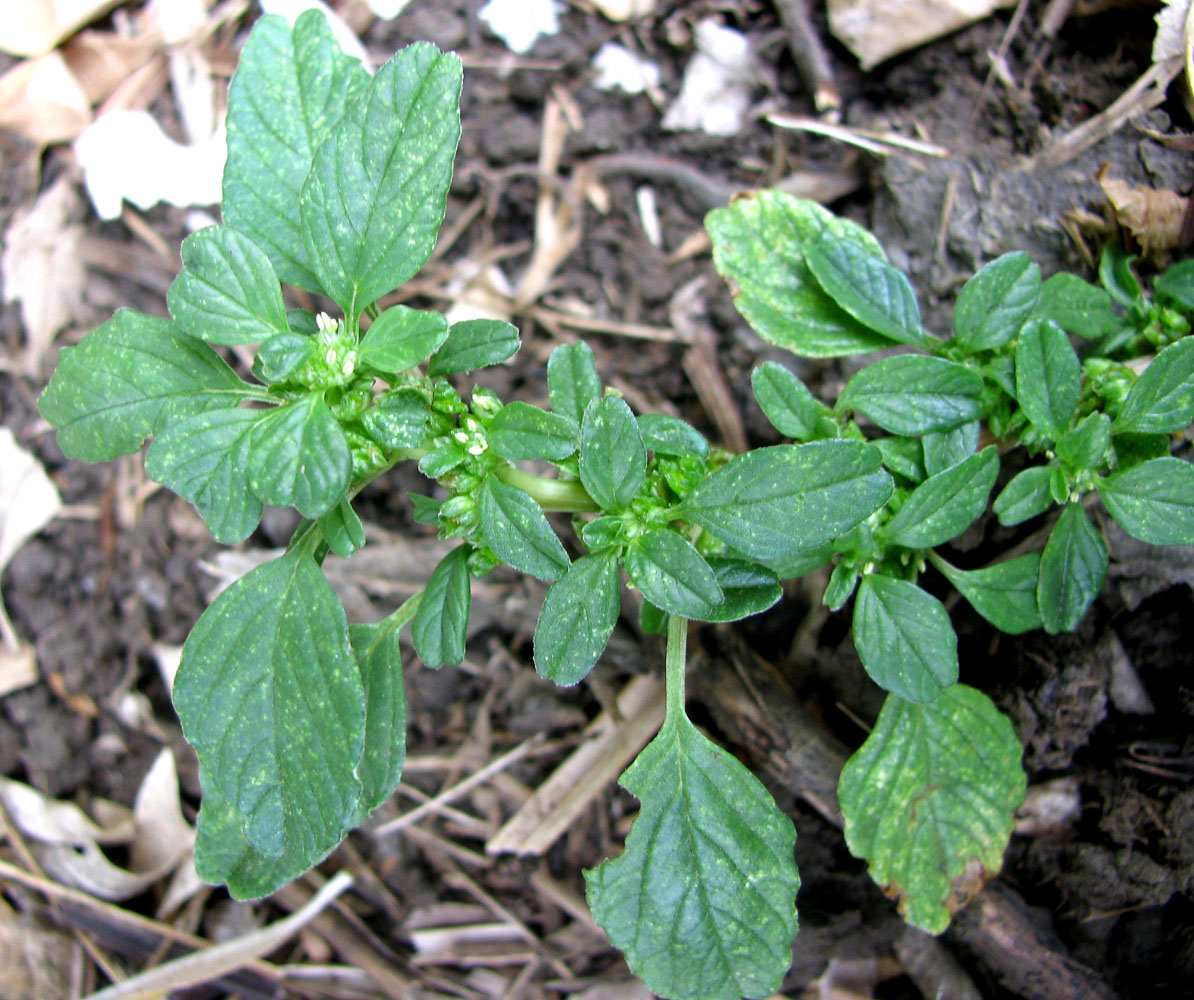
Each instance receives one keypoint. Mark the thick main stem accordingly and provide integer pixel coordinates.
(550, 494)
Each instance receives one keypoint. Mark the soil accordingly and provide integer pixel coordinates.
(1105, 713)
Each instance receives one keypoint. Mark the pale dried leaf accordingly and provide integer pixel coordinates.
(387, 9)
(617, 68)
(49, 821)
(1171, 39)
(88, 869)
(519, 23)
(624, 10)
(28, 499)
(42, 100)
(42, 269)
(102, 60)
(35, 961)
(168, 659)
(1153, 217)
(33, 27)
(163, 836)
(718, 82)
(18, 667)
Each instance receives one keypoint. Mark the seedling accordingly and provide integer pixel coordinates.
(336, 183)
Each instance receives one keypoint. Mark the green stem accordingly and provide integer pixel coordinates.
(550, 494)
(675, 662)
(397, 619)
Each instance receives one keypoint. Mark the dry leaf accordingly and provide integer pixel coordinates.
(35, 962)
(18, 667)
(42, 267)
(718, 81)
(387, 9)
(1173, 30)
(42, 100)
(34, 27)
(1153, 217)
(49, 821)
(101, 60)
(519, 23)
(624, 10)
(163, 836)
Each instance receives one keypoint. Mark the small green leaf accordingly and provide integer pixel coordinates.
(203, 460)
(1117, 276)
(748, 588)
(440, 628)
(840, 588)
(773, 503)
(286, 96)
(995, 303)
(912, 394)
(1176, 283)
(1048, 377)
(613, 459)
(666, 435)
(342, 529)
(374, 201)
(1153, 501)
(903, 456)
(861, 281)
(945, 449)
(518, 533)
(604, 532)
(227, 291)
(1072, 570)
(1004, 593)
(1085, 445)
(786, 402)
(945, 505)
(702, 900)
(930, 799)
(283, 355)
(1076, 305)
(443, 459)
(375, 648)
(272, 701)
(128, 379)
(1162, 399)
(578, 615)
(904, 638)
(401, 338)
(671, 574)
(758, 245)
(473, 344)
(521, 431)
(572, 379)
(298, 456)
(1027, 495)
(398, 419)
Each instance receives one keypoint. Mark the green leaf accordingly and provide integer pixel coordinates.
(1176, 283)
(286, 96)
(374, 201)
(203, 459)
(1153, 501)
(904, 638)
(773, 503)
(298, 456)
(945, 505)
(758, 243)
(748, 589)
(786, 402)
(473, 344)
(518, 533)
(401, 338)
(1004, 593)
(995, 303)
(840, 588)
(666, 435)
(578, 615)
(1085, 445)
(861, 281)
(521, 431)
(702, 900)
(398, 419)
(227, 291)
(671, 574)
(1117, 276)
(903, 456)
(1162, 399)
(912, 394)
(271, 699)
(283, 355)
(1076, 305)
(1027, 495)
(945, 449)
(128, 379)
(613, 459)
(342, 529)
(1072, 570)
(1048, 377)
(440, 628)
(1132, 449)
(572, 379)
(929, 801)
(384, 751)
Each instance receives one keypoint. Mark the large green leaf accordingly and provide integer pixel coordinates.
(271, 699)
(1073, 566)
(904, 638)
(758, 246)
(929, 801)
(912, 394)
(945, 505)
(1084, 446)
(702, 900)
(203, 460)
(1153, 501)
(384, 750)
(748, 589)
(401, 338)
(473, 344)
(289, 91)
(1162, 399)
(517, 531)
(520, 431)
(373, 203)
(772, 503)
(1003, 593)
(1048, 377)
(613, 458)
(1076, 305)
(993, 305)
(128, 379)
(572, 379)
(227, 291)
(440, 628)
(945, 449)
(866, 286)
(578, 615)
(671, 574)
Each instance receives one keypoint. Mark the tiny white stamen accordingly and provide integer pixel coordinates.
(324, 323)
(330, 357)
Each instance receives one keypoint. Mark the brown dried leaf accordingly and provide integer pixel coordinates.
(42, 100)
(35, 962)
(102, 60)
(1153, 217)
(34, 27)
